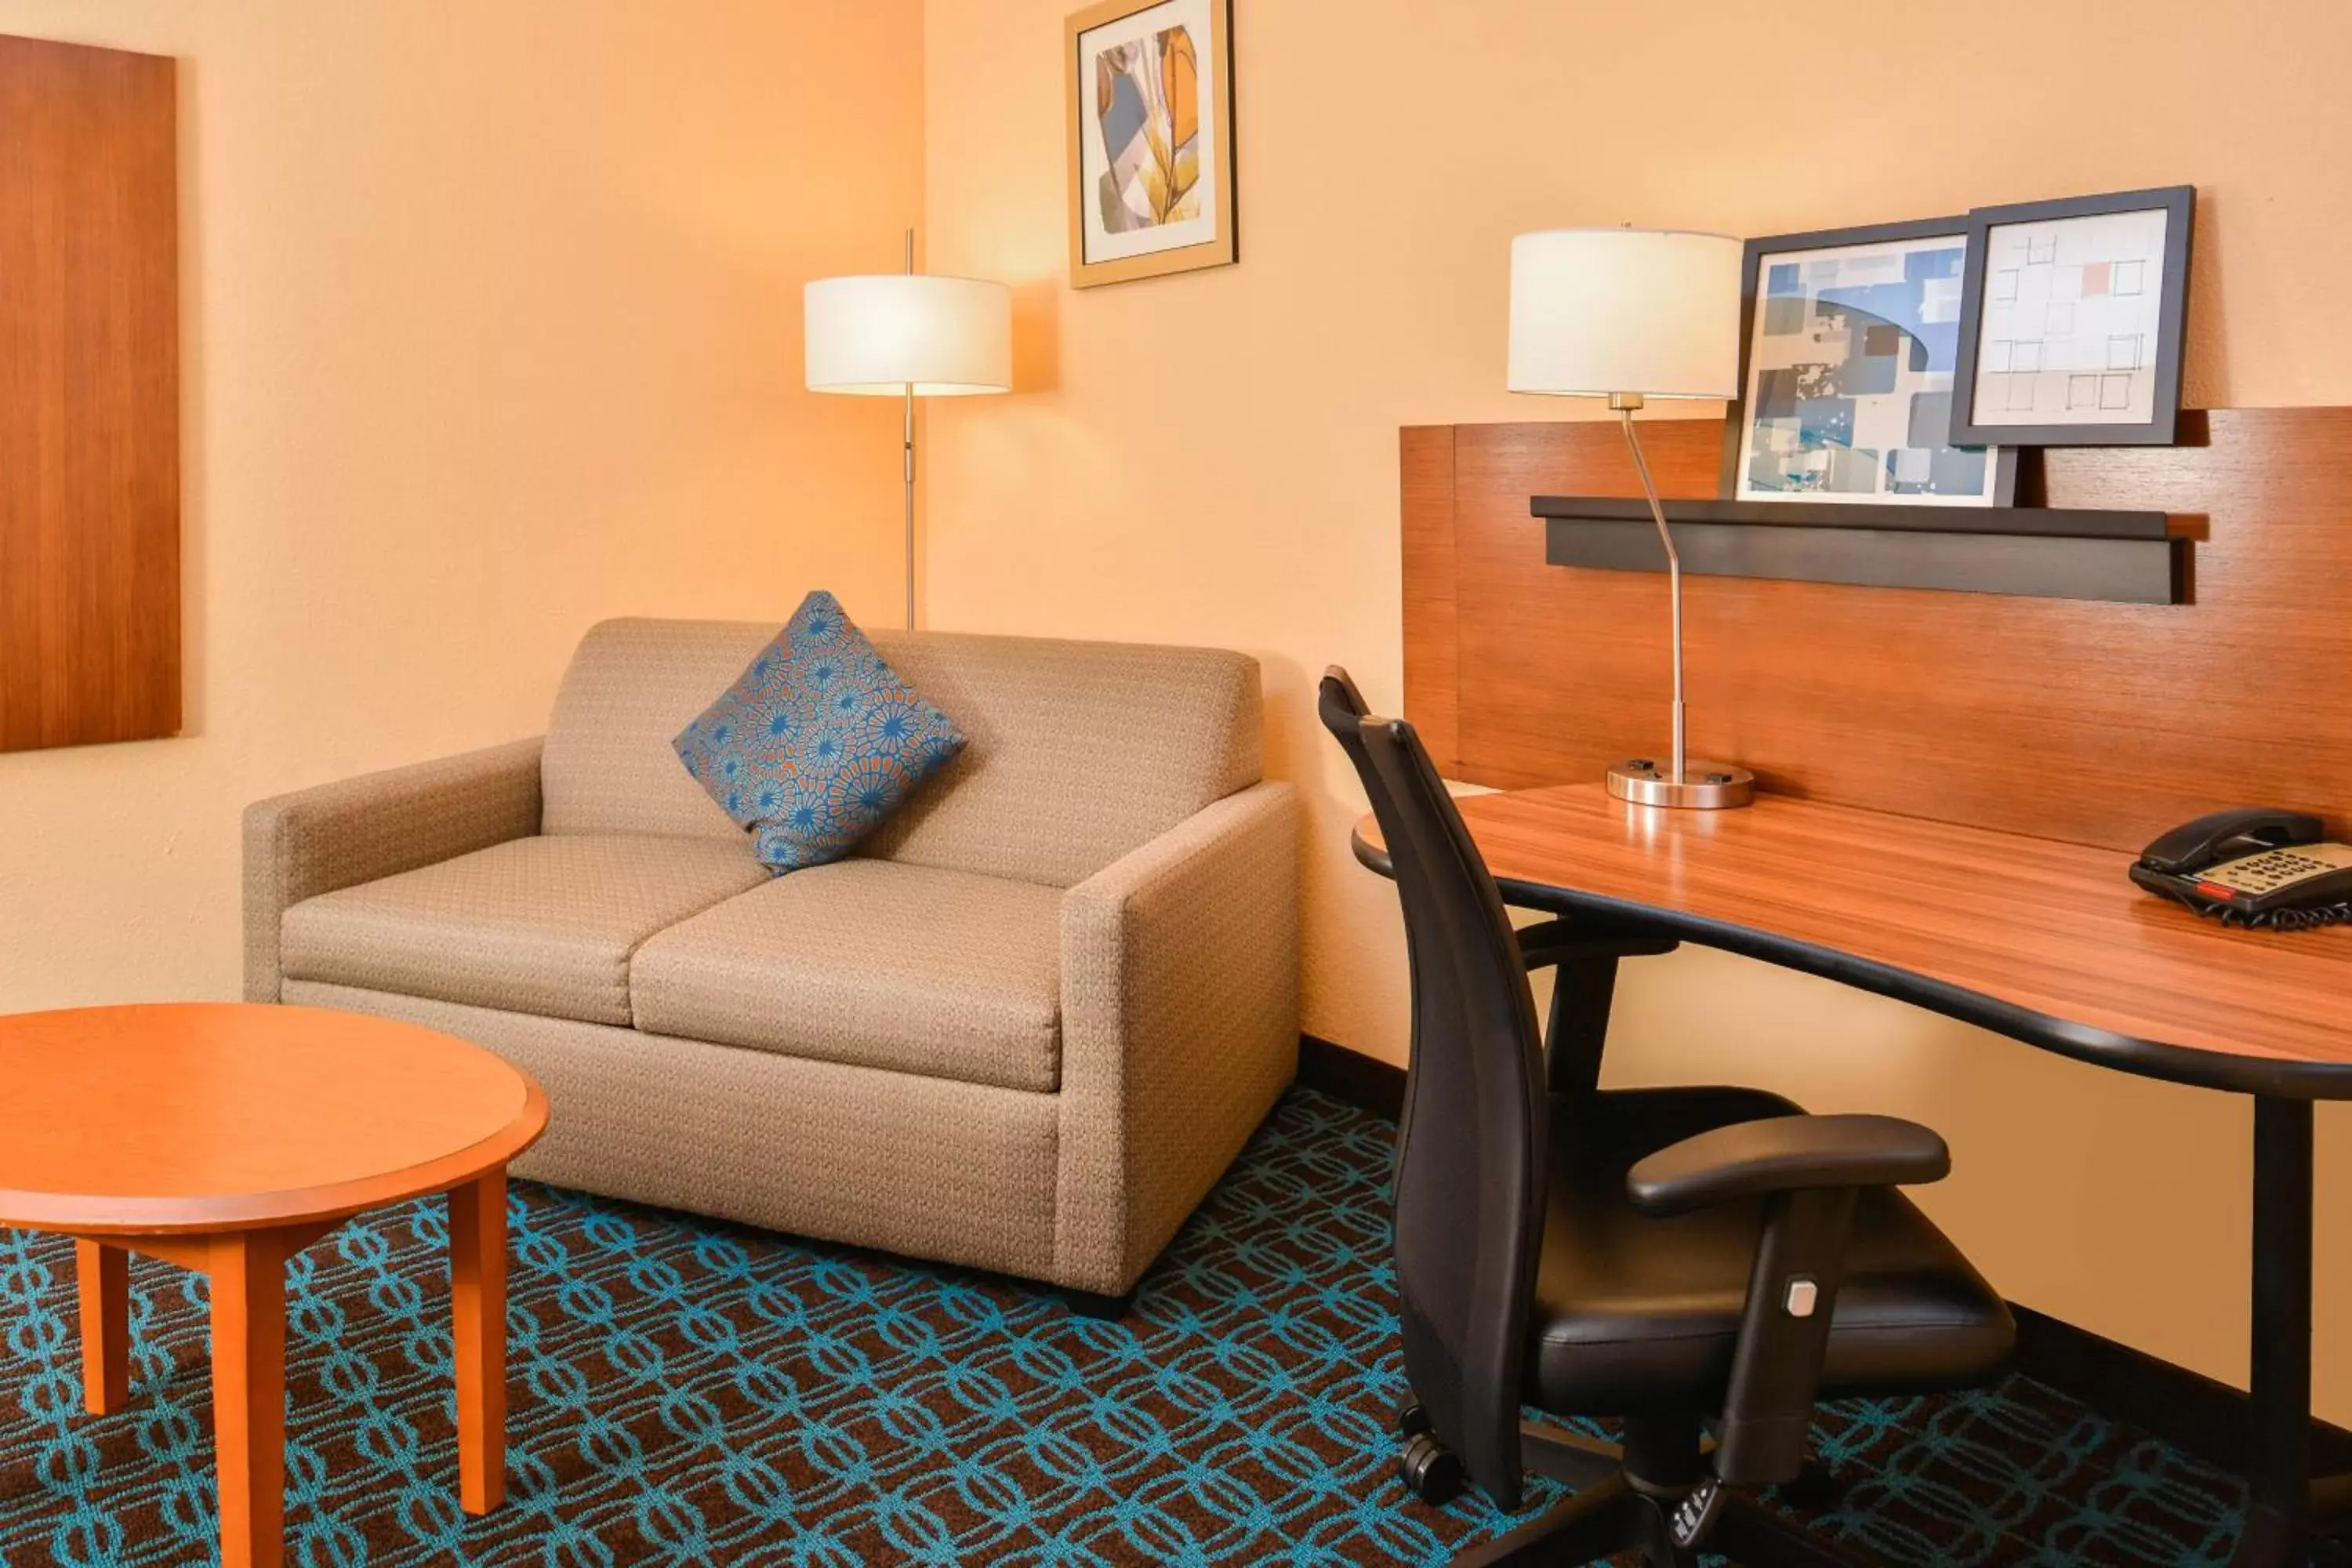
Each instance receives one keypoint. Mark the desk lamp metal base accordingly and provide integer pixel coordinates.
(1645, 782)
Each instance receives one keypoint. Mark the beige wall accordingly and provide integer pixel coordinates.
(492, 322)
(1212, 457)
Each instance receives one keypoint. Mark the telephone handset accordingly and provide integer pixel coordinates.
(2252, 867)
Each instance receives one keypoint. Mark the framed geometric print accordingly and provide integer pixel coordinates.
(1849, 342)
(2070, 320)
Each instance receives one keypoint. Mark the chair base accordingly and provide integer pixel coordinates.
(1612, 1516)
(1614, 1511)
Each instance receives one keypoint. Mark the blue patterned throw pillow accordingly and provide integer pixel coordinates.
(818, 743)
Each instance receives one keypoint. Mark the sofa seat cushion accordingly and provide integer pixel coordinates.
(533, 925)
(909, 968)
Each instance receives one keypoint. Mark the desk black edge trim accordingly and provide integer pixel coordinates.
(2200, 1415)
(2278, 1076)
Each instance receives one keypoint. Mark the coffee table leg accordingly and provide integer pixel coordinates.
(478, 1300)
(248, 1286)
(103, 1274)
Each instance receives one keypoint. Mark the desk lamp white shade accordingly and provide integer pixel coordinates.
(904, 335)
(1630, 314)
(1650, 312)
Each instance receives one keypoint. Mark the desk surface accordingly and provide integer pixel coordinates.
(2044, 941)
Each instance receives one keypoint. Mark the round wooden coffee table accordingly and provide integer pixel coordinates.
(225, 1138)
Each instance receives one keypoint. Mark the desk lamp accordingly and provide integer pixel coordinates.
(905, 335)
(1631, 314)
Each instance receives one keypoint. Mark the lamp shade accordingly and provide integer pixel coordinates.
(884, 334)
(1598, 311)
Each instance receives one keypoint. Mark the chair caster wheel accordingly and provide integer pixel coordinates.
(1412, 1419)
(1431, 1469)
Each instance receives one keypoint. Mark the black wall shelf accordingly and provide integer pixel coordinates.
(2129, 557)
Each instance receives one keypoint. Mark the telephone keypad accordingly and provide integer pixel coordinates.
(2272, 870)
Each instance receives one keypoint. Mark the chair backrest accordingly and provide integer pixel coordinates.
(1078, 753)
(1471, 1149)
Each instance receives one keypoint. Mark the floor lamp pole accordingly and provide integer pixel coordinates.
(910, 465)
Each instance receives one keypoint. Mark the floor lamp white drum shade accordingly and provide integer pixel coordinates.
(904, 335)
(889, 334)
(1649, 311)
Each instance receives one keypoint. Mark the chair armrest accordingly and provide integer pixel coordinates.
(1786, 1154)
(1810, 1170)
(1562, 941)
(1180, 1026)
(357, 830)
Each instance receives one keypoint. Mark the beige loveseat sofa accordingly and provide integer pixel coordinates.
(1026, 1027)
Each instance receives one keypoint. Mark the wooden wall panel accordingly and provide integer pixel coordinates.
(89, 440)
(1425, 456)
(2094, 723)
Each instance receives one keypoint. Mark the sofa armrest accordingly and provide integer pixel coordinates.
(338, 835)
(1180, 1026)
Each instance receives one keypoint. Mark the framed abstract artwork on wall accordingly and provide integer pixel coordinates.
(2071, 319)
(1151, 139)
(1849, 343)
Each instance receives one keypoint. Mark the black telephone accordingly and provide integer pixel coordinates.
(2252, 867)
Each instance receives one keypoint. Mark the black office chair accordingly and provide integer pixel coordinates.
(1675, 1258)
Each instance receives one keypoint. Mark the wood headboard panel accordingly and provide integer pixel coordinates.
(2098, 723)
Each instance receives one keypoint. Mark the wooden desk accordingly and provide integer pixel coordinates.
(2039, 941)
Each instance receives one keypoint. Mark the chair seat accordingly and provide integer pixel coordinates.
(1632, 1311)
(534, 925)
(909, 968)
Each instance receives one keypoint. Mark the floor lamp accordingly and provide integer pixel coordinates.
(1630, 314)
(905, 335)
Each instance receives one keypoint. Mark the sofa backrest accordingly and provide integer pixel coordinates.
(1078, 752)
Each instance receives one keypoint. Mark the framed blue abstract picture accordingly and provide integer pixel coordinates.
(1850, 338)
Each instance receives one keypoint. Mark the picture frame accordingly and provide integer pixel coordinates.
(1149, 90)
(2095, 290)
(1849, 343)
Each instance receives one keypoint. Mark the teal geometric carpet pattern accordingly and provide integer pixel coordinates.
(683, 1391)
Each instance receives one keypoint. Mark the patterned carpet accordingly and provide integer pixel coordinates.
(692, 1393)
